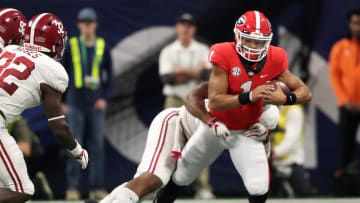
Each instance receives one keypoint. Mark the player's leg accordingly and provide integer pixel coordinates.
(96, 126)
(202, 149)
(8, 196)
(76, 120)
(348, 124)
(15, 184)
(156, 165)
(250, 160)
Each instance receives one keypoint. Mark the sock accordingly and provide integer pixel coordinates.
(258, 198)
(168, 193)
(124, 195)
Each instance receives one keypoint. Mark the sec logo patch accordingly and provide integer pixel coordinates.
(236, 71)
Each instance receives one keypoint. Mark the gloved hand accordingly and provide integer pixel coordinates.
(219, 129)
(81, 155)
(257, 131)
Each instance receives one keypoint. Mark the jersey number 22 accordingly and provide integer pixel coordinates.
(10, 58)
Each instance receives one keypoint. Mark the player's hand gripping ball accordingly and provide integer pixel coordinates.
(278, 93)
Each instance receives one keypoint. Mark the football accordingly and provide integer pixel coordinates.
(282, 85)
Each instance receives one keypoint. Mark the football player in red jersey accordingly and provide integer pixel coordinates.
(237, 92)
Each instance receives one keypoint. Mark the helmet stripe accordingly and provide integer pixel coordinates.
(257, 18)
(33, 26)
(7, 10)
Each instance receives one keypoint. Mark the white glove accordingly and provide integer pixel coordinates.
(257, 131)
(81, 155)
(219, 129)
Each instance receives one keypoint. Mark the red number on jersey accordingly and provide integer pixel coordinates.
(10, 88)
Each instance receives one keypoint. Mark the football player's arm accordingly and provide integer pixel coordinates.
(55, 114)
(219, 99)
(194, 102)
(302, 92)
(53, 109)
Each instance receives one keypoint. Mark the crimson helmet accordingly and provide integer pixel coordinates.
(46, 33)
(12, 26)
(254, 27)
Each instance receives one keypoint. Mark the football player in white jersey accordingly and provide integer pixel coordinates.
(28, 76)
(167, 134)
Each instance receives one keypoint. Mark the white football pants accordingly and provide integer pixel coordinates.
(247, 155)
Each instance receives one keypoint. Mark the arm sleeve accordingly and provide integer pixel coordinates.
(336, 74)
(293, 129)
(217, 58)
(165, 65)
(108, 85)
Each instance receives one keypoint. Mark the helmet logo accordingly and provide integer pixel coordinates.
(22, 27)
(60, 26)
(241, 20)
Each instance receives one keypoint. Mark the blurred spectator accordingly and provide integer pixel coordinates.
(289, 178)
(183, 63)
(29, 145)
(344, 63)
(88, 63)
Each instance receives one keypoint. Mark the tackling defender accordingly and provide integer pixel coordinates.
(167, 135)
(237, 92)
(28, 76)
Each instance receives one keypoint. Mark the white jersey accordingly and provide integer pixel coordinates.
(21, 73)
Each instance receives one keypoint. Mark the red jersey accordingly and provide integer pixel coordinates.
(243, 78)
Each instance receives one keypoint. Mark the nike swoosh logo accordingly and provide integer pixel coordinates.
(263, 76)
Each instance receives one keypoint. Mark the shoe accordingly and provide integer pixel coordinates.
(72, 195)
(42, 188)
(204, 194)
(98, 194)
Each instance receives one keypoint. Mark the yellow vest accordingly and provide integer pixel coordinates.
(76, 58)
(278, 136)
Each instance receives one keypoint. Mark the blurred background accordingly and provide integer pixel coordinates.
(135, 32)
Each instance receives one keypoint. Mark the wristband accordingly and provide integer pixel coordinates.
(77, 150)
(55, 118)
(290, 99)
(244, 98)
